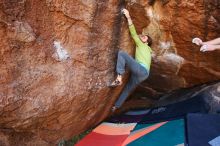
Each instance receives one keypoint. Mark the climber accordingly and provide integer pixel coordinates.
(207, 46)
(139, 67)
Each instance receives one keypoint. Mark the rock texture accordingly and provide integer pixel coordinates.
(177, 62)
(57, 56)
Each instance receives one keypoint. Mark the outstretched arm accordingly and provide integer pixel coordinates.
(212, 42)
(208, 47)
(132, 28)
(127, 15)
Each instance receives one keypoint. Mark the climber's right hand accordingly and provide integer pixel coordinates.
(126, 13)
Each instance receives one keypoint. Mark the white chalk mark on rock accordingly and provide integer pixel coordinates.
(21, 31)
(165, 45)
(174, 58)
(151, 13)
(61, 53)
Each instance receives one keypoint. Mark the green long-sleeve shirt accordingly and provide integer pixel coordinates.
(143, 51)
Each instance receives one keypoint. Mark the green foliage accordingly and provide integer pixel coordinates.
(75, 139)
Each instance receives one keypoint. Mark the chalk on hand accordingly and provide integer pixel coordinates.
(197, 41)
(204, 48)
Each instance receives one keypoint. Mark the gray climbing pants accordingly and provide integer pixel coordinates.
(138, 74)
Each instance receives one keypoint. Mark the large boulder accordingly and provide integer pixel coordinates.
(57, 56)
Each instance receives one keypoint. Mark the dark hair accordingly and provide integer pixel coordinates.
(151, 2)
(149, 40)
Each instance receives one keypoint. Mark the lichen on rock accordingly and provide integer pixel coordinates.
(21, 31)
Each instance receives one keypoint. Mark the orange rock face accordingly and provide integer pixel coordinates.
(57, 57)
(177, 62)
